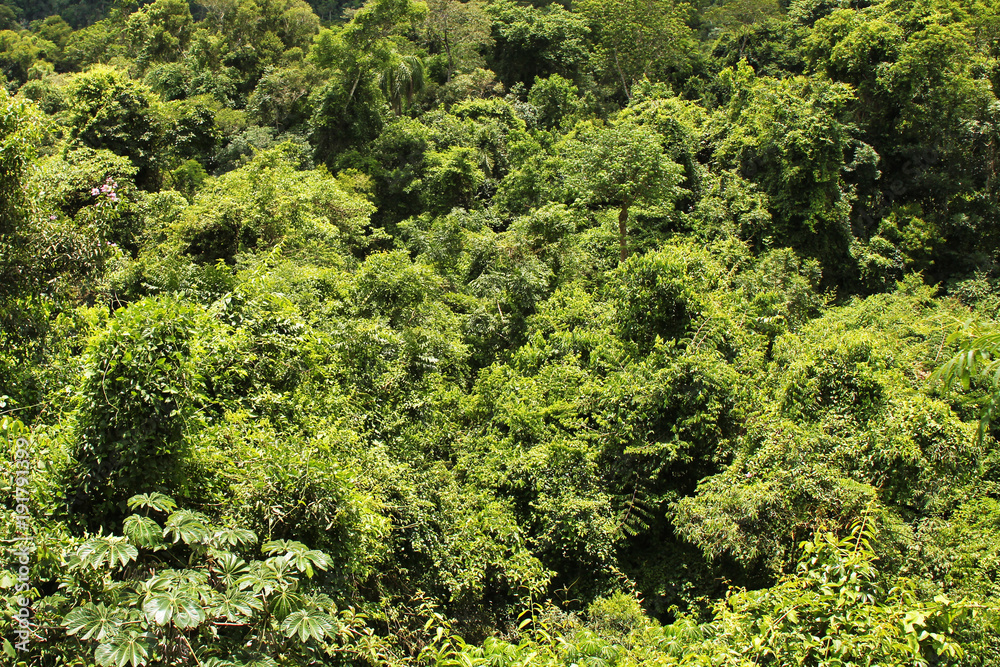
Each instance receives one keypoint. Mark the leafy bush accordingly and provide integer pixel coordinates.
(140, 393)
(188, 589)
(266, 201)
(663, 294)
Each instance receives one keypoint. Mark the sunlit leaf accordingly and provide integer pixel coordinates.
(174, 607)
(93, 622)
(155, 501)
(97, 551)
(143, 531)
(307, 624)
(187, 526)
(127, 649)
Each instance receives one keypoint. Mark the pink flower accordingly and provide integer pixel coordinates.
(52, 217)
(95, 192)
(113, 197)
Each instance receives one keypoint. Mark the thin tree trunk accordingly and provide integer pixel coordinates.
(628, 91)
(354, 87)
(622, 232)
(451, 63)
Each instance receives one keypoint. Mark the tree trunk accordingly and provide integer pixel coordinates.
(622, 231)
(451, 63)
(354, 87)
(628, 91)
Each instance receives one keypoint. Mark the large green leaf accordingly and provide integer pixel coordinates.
(262, 661)
(98, 550)
(124, 650)
(93, 622)
(230, 568)
(282, 546)
(174, 607)
(267, 577)
(187, 526)
(217, 662)
(284, 602)
(143, 531)
(299, 555)
(155, 501)
(236, 606)
(234, 537)
(156, 584)
(308, 624)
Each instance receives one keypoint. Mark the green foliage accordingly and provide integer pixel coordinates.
(18, 134)
(792, 138)
(834, 610)
(193, 129)
(159, 31)
(287, 488)
(607, 304)
(221, 602)
(140, 392)
(916, 70)
(460, 30)
(639, 39)
(976, 358)
(620, 166)
(555, 100)
(532, 41)
(66, 184)
(349, 109)
(21, 51)
(662, 294)
(112, 112)
(265, 202)
(188, 178)
(281, 98)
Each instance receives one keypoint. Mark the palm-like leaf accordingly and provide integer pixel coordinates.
(98, 550)
(174, 607)
(234, 537)
(191, 579)
(284, 602)
(229, 568)
(308, 624)
(93, 622)
(267, 577)
(280, 546)
(977, 357)
(157, 584)
(278, 571)
(187, 526)
(124, 650)
(299, 555)
(155, 501)
(402, 79)
(143, 531)
(236, 606)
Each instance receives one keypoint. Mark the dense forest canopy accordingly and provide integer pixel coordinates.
(492, 332)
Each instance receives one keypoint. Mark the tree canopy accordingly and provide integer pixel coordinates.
(490, 332)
